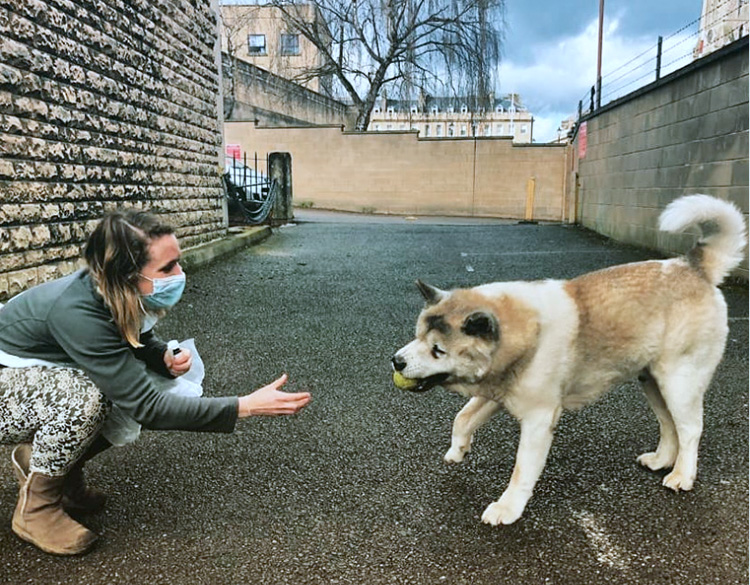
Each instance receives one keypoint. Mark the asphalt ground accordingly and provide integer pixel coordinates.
(353, 490)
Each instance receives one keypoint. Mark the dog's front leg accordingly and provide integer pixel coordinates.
(473, 415)
(536, 437)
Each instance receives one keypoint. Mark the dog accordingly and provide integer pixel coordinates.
(537, 348)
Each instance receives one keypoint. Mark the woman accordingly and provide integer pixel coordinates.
(95, 327)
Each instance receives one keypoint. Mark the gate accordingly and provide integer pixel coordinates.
(249, 188)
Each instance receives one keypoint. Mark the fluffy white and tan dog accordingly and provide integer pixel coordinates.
(537, 348)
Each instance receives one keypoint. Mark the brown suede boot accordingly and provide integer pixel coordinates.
(77, 497)
(40, 519)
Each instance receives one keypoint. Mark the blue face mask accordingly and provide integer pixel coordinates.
(167, 291)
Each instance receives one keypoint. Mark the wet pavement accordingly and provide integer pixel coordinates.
(353, 490)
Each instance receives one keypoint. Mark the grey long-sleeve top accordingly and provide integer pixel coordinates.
(66, 321)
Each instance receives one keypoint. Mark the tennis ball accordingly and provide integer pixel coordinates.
(402, 382)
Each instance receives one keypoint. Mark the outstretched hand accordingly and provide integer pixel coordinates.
(271, 401)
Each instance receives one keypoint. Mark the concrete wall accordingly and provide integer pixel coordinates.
(252, 93)
(396, 172)
(104, 104)
(687, 133)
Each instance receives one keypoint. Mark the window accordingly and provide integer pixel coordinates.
(377, 127)
(427, 130)
(256, 44)
(434, 110)
(290, 44)
(498, 129)
(439, 130)
(463, 129)
(524, 129)
(451, 130)
(414, 109)
(464, 109)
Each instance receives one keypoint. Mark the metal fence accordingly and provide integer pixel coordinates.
(721, 25)
(250, 190)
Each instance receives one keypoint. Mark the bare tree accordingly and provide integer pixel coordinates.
(407, 45)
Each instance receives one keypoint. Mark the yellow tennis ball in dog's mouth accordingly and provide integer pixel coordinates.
(402, 382)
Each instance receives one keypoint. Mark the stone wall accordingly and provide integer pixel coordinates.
(252, 93)
(687, 133)
(104, 104)
(397, 172)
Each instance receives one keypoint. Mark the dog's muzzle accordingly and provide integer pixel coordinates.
(421, 384)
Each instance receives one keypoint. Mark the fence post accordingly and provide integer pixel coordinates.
(591, 109)
(658, 58)
(280, 170)
(598, 93)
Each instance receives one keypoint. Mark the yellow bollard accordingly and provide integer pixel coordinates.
(530, 189)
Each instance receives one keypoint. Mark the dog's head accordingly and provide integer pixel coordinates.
(463, 338)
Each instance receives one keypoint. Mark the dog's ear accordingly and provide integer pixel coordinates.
(483, 325)
(431, 294)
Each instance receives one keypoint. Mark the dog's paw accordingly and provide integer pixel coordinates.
(455, 455)
(656, 461)
(504, 511)
(677, 481)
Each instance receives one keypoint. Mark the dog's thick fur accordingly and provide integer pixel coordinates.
(537, 348)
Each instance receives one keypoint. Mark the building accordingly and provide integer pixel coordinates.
(722, 21)
(443, 117)
(260, 34)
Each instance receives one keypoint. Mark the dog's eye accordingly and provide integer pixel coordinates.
(436, 351)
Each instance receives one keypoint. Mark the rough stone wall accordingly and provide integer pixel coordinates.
(687, 133)
(252, 93)
(104, 104)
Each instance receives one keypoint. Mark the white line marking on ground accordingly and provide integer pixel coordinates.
(607, 553)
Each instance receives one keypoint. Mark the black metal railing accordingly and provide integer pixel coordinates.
(249, 189)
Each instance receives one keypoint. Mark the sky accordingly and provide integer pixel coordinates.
(550, 50)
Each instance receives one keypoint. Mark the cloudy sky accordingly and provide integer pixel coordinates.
(550, 50)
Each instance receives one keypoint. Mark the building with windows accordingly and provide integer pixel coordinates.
(259, 34)
(454, 117)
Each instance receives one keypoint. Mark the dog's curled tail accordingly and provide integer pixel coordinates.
(722, 227)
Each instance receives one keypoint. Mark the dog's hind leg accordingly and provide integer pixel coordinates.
(682, 388)
(473, 415)
(536, 438)
(666, 452)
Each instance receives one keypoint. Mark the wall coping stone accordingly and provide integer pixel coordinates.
(236, 239)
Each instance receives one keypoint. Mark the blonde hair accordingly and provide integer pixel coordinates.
(116, 252)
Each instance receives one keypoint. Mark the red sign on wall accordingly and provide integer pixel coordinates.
(234, 151)
(582, 140)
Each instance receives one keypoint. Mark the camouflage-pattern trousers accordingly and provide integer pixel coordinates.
(59, 410)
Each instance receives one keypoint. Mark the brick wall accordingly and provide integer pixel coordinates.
(252, 93)
(104, 104)
(397, 172)
(687, 133)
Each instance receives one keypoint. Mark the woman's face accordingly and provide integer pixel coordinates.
(164, 260)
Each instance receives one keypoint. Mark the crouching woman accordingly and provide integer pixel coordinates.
(77, 347)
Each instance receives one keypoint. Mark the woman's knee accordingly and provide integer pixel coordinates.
(86, 406)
